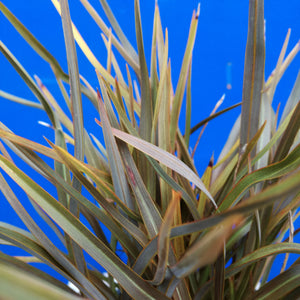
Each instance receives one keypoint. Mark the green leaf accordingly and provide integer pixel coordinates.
(23, 266)
(164, 157)
(121, 111)
(29, 144)
(20, 100)
(128, 53)
(115, 25)
(114, 158)
(188, 109)
(28, 80)
(293, 98)
(206, 250)
(45, 250)
(77, 168)
(146, 116)
(17, 284)
(32, 41)
(92, 58)
(164, 242)
(154, 80)
(74, 80)
(253, 72)
(219, 275)
(261, 253)
(160, 97)
(286, 187)
(213, 116)
(280, 286)
(134, 285)
(76, 106)
(111, 60)
(146, 104)
(188, 199)
(289, 135)
(148, 209)
(186, 65)
(272, 142)
(289, 164)
(229, 148)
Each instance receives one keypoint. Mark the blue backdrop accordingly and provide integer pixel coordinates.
(219, 49)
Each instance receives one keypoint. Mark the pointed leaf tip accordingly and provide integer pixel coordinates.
(198, 11)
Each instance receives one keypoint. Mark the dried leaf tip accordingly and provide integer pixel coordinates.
(219, 103)
(211, 162)
(39, 81)
(198, 11)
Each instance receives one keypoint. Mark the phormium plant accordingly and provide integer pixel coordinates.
(182, 236)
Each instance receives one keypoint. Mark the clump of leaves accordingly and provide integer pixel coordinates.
(183, 237)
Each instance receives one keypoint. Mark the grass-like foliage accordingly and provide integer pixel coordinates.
(183, 236)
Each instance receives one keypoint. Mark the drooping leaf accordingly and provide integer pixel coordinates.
(281, 286)
(289, 164)
(207, 249)
(276, 192)
(17, 284)
(78, 169)
(21, 263)
(129, 280)
(28, 144)
(261, 253)
(28, 80)
(51, 256)
(32, 41)
(164, 157)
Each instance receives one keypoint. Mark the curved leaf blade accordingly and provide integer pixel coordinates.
(164, 157)
(129, 280)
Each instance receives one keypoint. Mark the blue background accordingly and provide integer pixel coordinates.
(221, 38)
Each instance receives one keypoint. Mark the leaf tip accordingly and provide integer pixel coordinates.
(198, 11)
(45, 124)
(211, 161)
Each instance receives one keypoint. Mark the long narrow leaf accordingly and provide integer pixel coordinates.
(53, 256)
(276, 192)
(186, 64)
(164, 242)
(115, 161)
(17, 284)
(129, 280)
(206, 250)
(289, 164)
(28, 80)
(21, 264)
(253, 72)
(20, 100)
(32, 41)
(164, 157)
(128, 55)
